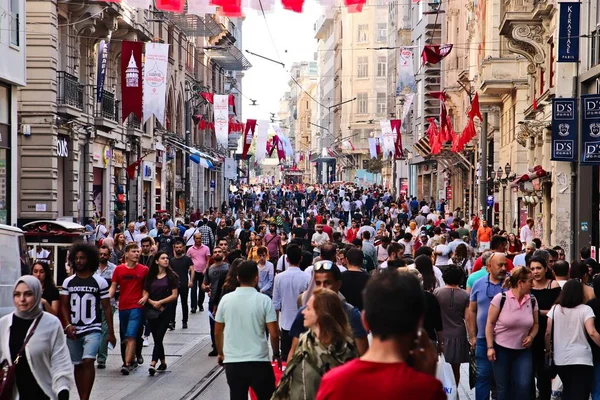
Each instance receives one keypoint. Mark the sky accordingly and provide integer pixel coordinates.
(294, 40)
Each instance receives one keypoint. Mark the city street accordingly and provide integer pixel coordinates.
(191, 374)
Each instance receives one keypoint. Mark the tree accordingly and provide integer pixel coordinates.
(374, 165)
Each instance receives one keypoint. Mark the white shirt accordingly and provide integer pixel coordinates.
(42, 254)
(407, 246)
(346, 205)
(101, 232)
(519, 260)
(570, 342)
(526, 234)
(288, 286)
(425, 210)
(319, 239)
(138, 225)
(129, 237)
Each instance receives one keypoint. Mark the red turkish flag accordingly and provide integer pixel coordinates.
(229, 8)
(248, 136)
(209, 97)
(437, 95)
(432, 130)
(434, 53)
(293, 5)
(355, 6)
(175, 6)
(474, 111)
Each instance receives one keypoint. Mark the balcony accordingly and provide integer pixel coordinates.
(134, 125)
(69, 97)
(500, 76)
(106, 112)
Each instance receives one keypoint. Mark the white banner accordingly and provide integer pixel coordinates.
(408, 99)
(199, 7)
(230, 169)
(406, 73)
(155, 81)
(261, 140)
(373, 147)
(285, 141)
(387, 139)
(221, 108)
(144, 4)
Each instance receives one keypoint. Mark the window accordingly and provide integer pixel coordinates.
(362, 103)
(14, 22)
(381, 66)
(595, 48)
(381, 32)
(363, 67)
(381, 103)
(363, 31)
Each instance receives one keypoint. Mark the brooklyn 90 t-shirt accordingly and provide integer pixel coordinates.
(84, 300)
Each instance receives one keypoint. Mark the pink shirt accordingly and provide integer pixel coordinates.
(515, 320)
(198, 256)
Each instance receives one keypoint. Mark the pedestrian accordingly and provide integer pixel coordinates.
(81, 297)
(568, 322)
(105, 270)
(50, 294)
(454, 306)
(394, 311)
(266, 273)
(288, 285)
(326, 344)
(484, 236)
(160, 291)
(36, 339)
(183, 266)
(512, 324)
(241, 323)
(200, 256)
(213, 275)
(118, 249)
(354, 279)
(130, 277)
(482, 292)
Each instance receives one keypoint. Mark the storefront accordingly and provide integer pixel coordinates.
(63, 150)
(158, 173)
(101, 181)
(118, 196)
(147, 193)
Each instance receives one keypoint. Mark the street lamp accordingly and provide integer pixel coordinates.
(507, 169)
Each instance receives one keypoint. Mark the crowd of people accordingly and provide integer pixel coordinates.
(356, 290)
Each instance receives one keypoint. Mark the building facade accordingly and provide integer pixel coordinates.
(75, 159)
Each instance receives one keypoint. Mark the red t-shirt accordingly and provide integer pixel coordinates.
(327, 229)
(131, 282)
(479, 264)
(360, 380)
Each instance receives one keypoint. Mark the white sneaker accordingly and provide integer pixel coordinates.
(146, 344)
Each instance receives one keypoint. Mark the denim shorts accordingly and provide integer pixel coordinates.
(131, 321)
(84, 347)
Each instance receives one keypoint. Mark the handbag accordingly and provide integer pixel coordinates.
(8, 371)
(549, 365)
(150, 312)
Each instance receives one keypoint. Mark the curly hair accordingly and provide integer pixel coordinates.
(91, 253)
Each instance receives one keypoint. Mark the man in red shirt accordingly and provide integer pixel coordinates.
(484, 236)
(498, 244)
(130, 278)
(474, 229)
(394, 306)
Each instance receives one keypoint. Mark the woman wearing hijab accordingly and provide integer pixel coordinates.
(44, 369)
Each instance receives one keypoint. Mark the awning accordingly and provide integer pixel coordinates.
(229, 57)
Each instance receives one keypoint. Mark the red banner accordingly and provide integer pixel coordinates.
(170, 5)
(131, 79)
(399, 151)
(248, 136)
(280, 150)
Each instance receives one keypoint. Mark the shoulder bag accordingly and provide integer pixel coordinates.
(8, 372)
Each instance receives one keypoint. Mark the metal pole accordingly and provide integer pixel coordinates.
(483, 189)
(188, 139)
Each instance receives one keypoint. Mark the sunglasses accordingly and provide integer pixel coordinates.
(324, 265)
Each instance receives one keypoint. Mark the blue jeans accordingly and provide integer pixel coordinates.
(513, 370)
(484, 371)
(596, 381)
(103, 351)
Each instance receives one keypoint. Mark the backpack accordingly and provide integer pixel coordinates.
(503, 300)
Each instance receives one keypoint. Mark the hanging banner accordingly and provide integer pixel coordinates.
(398, 150)
(568, 32)
(103, 49)
(230, 166)
(221, 112)
(387, 138)
(143, 4)
(248, 136)
(408, 99)
(261, 140)
(131, 79)
(590, 129)
(373, 147)
(280, 148)
(406, 73)
(285, 141)
(155, 81)
(564, 130)
(175, 6)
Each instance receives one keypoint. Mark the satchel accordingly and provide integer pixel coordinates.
(549, 365)
(150, 312)
(8, 372)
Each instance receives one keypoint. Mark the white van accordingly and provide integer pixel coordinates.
(14, 262)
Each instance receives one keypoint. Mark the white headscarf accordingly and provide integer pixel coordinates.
(35, 286)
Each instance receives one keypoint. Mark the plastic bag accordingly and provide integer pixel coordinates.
(445, 375)
(557, 388)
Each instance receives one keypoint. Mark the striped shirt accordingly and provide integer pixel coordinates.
(84, 299)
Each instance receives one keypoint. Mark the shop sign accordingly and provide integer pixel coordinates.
(449, 192)
(590, 129)
(564, 130)
(62, 148)
(147, 173)
(568, 32)
(118, 158)
(106, 155)
(159, 158)
(213, 185)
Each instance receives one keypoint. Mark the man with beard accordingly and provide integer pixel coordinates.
(130, 277)
(184, 268)
(212, 276)
(165, 241)
(81, 297)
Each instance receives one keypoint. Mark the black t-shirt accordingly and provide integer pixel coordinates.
(181, 266)
(50, 294)
(299, 232)
(545, 300)
(595, 305)
(432, 323)
(222, 232)
(353, 283)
